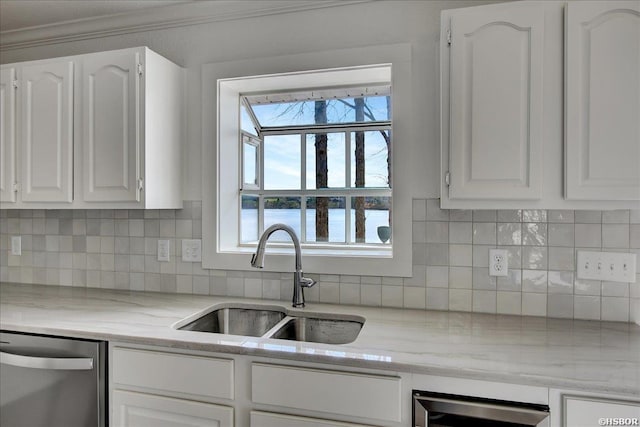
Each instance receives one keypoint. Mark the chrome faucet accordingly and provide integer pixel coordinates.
(299, 281)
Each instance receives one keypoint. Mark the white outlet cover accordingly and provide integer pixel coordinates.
(498, 262)
(163, 250)
(191, 250)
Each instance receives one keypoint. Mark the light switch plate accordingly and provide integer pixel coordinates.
(191, 250)
(498, 262)
(607, 266)
(163, 250)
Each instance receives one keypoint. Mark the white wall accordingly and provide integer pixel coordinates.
(380, 22)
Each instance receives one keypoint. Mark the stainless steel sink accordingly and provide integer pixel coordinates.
(272, 321)
(326, 331)
(236, 321)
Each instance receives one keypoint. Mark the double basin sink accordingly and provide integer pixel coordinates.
(274, 322)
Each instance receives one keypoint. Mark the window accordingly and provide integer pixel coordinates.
(258, 110)
(319, 161)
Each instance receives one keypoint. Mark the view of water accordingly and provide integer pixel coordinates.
(291, 217)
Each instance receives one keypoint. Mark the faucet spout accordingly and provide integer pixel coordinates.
(299, 281)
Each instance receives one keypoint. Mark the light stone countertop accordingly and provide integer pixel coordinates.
(579, 355)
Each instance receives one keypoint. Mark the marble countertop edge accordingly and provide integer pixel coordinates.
(601, 357)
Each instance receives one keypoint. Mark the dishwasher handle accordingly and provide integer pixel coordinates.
(51, 363)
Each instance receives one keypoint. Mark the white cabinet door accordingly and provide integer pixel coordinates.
(47, 132)
(602, 121)
(585, 411)
(268, 419)
(495, 125)
(111, 127)
(131, 409)
(7, 135)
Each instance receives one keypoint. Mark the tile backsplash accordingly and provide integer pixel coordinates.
(117, 249)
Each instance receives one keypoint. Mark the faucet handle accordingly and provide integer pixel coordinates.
(307, 282)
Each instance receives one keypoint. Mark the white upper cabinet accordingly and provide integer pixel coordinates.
(8, 83)
(540, 105)
(47, 132)
(96, 131)
(496, 102)
(111, 114)
(602, 84)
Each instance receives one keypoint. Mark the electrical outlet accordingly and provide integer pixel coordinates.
(609, 266)
(498, 262)
(191, 250)
(16, 245)
(163, 250)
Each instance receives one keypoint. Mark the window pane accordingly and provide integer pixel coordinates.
(285, 210)
(368, 214)
(369, 157)
(335, 149)
(249, 219)
(282, 162)
(335, 223)
(342, 110)
(246, 124)
(250, 153)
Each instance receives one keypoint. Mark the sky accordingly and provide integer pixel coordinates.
(283, 152)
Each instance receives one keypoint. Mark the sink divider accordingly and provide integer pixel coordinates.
(277, 327)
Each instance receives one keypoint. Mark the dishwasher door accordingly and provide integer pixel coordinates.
(443, 410)
(51, 382)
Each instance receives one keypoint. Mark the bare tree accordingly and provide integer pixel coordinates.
(322, 174)
(362, 111)
(359, 106)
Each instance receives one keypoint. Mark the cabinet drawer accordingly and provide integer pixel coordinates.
(333, 392)
(181, 373)
(267, 419)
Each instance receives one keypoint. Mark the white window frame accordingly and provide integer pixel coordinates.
(222, 84)
(256, 142)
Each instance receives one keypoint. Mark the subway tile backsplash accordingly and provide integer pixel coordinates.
(117, 249)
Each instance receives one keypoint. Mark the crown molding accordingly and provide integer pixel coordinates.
(179, 15)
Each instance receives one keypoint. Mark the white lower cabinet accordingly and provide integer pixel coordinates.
(165, 387)
(589, 411)
(152, 388)
(162, 387)
(570, 408)
(131, 409)
(268, 419)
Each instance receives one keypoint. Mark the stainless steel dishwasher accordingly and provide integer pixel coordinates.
(445, 410)
(51, 382)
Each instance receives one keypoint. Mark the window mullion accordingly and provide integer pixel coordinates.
(261, 186)
(347, 159)
(303, 219)
(347, 219)
(260, 216)
(303, 186)
(303, 161)
(347, 184)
